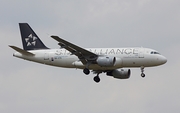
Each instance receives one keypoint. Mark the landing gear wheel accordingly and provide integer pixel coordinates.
(86, 71)
(142, 75)
(97, 79)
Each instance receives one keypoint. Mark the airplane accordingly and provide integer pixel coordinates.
(112, 61)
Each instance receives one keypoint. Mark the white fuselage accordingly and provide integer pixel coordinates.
(125, 57)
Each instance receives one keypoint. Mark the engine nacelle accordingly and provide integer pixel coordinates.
(106, 61)
(122, 74)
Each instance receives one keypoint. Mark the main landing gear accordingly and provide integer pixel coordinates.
(86, 71)
(96, 78)
(142, 72)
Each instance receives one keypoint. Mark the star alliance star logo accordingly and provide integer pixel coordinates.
(31, 40)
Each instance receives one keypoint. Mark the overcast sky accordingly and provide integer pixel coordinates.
(27, 87)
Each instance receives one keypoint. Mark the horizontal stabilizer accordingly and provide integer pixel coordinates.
(22, 51)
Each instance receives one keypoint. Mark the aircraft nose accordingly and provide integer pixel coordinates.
(163, 59)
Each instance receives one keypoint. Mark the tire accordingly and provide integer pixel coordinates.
(86, 71)
(143, 75)
(97, 79)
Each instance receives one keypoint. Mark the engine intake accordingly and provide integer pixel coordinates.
(123, 74)
(106, 61)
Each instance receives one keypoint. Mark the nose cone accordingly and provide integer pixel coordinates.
(163, 60)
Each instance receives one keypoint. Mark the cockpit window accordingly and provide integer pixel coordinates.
(154, 52)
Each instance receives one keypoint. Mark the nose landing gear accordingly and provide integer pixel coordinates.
(142, 72)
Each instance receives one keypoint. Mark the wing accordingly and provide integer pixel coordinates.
(84, 55)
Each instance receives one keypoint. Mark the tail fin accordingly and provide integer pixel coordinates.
(29, 38)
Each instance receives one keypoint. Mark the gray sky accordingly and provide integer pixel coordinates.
(27, 87)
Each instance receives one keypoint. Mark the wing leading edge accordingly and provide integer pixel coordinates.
(84, 55)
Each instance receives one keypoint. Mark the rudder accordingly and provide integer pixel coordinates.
(30, 40)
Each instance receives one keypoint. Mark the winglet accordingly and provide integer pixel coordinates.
(23, 52)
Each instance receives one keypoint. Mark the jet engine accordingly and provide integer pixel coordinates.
(122, 74)
(106, 61)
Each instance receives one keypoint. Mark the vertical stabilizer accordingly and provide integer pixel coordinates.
(30, 40)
